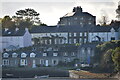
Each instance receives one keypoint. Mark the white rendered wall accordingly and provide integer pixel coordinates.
(37, 35)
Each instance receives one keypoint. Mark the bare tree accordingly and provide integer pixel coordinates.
(104, 20)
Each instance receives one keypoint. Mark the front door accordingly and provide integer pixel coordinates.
(46, 62)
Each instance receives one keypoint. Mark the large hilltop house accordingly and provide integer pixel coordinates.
(75, 37)
(77, 17)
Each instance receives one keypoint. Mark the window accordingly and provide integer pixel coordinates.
(55, 41)
(45, 41)
(74, 40)
(14, 55)
(75, 34)
(112, 38)
(85, 34)
(89, 23)
(89, 19)
(5, 55)
(5, 62)
(81, 23)
(55, 49)
(70, 41)
(70, 34)
(55, 54)
(80, 34)
(50, 41)
(65, 54)
(73, 54)
(85, 40)
(80, 40)
(23, 55)
(32, 54)
(44, 54)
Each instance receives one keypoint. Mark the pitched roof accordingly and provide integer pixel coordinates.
(54, 29)
(104, 28)
(13, 32)
(49, 29)
(69, 14)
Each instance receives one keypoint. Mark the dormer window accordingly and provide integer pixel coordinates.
(73, 54)
(32, 54)
(5, 55)
(65, 54)
(55, 54)
(44, 54)
(23, 55)
(14, 55)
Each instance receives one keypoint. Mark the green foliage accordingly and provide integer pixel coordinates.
(22, 19)
(116, 58)
(103, 55)
(7, 22)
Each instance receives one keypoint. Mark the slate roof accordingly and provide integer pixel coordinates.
(51, 29)
(77, 14)
(104, 28)
(13, 32)
(69, 14)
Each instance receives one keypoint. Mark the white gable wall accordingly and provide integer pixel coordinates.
(27, 39)
(105, 36)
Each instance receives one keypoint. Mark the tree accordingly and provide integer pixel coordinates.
(104, 20)
(7, 22)
(116, 58)
(103, 54)
(28, 14)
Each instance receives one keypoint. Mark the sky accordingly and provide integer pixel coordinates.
(51, 10)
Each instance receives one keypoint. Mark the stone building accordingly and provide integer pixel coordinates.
(77, 17)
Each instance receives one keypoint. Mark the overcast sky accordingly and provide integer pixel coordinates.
(51, 10)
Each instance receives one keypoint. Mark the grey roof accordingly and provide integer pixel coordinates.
(69, 14)
(104, 28)
(13, 32)
(54, 29)
(77, 14)
(49, 29)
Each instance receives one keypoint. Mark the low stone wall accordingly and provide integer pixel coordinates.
(117, 76)
(85, 74)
